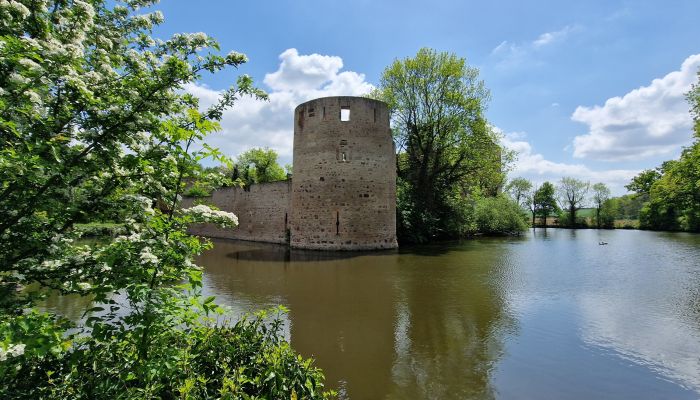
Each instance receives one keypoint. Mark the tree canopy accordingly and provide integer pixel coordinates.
(518, 189)
(601, 194)
(258, 166)
(572, 194)
(672, 191)
(447, 149)
(94, 115)
(545, 203)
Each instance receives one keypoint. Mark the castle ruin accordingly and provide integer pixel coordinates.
(342, 194)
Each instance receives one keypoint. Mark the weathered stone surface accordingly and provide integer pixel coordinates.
(343, 192)
(344, 182)
(262, 212)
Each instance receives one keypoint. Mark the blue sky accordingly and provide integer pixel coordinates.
(590, 89)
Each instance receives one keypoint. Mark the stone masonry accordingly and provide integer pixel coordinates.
(343, 192)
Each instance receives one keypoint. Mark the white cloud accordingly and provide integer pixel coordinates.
(299, 78)
(552, 37)
(649, 121)
(511, 54)
(535, 167)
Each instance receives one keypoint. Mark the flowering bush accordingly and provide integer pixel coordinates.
(94, 119)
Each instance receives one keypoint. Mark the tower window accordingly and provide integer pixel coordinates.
(312, 112)
(337, 222)
(343, 157)
(345, 114)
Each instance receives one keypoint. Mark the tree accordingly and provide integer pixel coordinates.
(259, 166)
(572, 193)
(446, 148)
(674, 192)
(94, 114)
(518, 189)
(641, 184)
(545, 203)
(601, 194)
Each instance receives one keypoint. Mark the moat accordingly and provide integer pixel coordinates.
(548, 315)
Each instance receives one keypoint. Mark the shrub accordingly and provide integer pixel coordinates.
(499, 215)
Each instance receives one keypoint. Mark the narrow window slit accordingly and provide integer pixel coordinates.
(337, 222)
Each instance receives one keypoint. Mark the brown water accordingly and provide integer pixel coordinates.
(546, 316)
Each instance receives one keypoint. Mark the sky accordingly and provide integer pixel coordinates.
(591, 89)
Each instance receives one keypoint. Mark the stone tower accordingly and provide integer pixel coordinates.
(344, 181)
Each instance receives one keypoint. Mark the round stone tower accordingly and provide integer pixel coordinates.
(344, 180)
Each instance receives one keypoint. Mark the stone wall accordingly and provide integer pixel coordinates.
(343, 192)
(262, 210)
(344, 181)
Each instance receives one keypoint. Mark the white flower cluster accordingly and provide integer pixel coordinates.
(13, 350)
(147, 257)
(203, 213)
(14, 7)
(144, 202)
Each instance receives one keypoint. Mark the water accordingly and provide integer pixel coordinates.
(548, 316)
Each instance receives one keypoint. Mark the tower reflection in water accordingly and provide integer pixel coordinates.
(421, 324)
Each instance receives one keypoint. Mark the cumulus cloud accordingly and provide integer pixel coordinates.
(535, 167)
(299, 78)
(649, 121)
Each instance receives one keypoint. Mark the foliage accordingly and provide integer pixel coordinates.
(98, 229)
(93, 116)
(446, 148)
(518, 189)
(641, 184)
(672, 192)
(258, 166)
(205, 180)
(499, 215)
(544, 203)
(607, 213)
(572, 193)
(601, 194)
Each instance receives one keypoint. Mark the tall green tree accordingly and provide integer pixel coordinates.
(446, 147)
(259, 166)
(518, 189)
(93, 114)
(674, 192)
(601, 194)
(572, 193)
(545, 202)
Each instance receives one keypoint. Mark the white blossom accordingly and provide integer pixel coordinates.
(147, 257)
(15, 7)
(18, 79)
(13, 350)
(203, 213)
(84, 286)
(33, 97)
(30, 64)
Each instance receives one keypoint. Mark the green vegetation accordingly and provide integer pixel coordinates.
(499, 215)
(94, 122)
(258, 166)
(572, 193)
(601, 194)
(447, 150)
(544, 203)
(671, 193)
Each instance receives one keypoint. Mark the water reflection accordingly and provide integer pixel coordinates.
(549, 315)
(383, 325)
